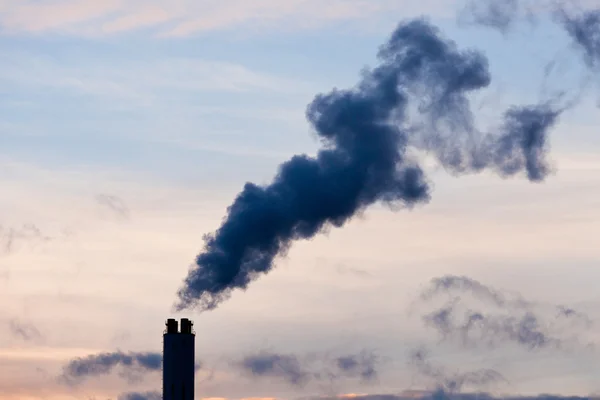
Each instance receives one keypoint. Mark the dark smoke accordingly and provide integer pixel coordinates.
(582, 26)
(501, 15)
(366, 134)
(133, 364)
(141, 396)
(584, 29)
(507, 318)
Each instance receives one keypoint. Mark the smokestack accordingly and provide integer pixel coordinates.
(178, 360)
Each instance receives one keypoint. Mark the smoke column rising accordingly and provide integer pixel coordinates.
(366, 134)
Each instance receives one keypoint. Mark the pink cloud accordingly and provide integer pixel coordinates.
(186, 17)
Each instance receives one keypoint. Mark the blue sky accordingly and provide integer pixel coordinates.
(171, 107)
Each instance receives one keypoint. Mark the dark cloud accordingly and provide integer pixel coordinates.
(132, 366)
(284, 366)
(500, 317)
(299, 371)
(141, 396)
(366, 133)
(445, 395)
(363, 365)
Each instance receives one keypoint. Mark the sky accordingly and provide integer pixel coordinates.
(127, 128)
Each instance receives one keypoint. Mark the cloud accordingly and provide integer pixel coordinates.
(462, 284)
(284, 366)
(452, 381)
(133, 365)
(298, 371)
(188, 17)
(501, 317)
(27, 236)
(24, 330)
(362, 365)
(140, 396)
(115, 204)
(144, 83)
(444, 395)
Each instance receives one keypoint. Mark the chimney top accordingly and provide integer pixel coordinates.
(172, 325)
(186, 326)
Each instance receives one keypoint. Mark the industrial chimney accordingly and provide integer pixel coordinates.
(178, 360)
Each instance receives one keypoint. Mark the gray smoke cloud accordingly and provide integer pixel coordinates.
(580, 23)
(500, 317)
(298, 371)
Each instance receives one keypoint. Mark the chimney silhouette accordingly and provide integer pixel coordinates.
(178, 360)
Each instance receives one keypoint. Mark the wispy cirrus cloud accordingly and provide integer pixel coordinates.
(146, 81)
(187, 17)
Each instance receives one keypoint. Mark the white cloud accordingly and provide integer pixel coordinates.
(187, 17)
(144, 81)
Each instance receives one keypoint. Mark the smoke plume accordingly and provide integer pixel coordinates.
(584, 29)
(582, 24)
(367, 134)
